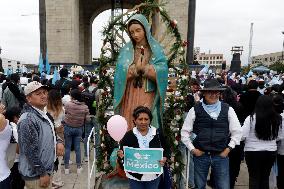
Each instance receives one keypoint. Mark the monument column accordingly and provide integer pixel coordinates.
(87, 42)
(156, 23)
(62, 33)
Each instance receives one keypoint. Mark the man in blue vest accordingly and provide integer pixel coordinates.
(210, 131)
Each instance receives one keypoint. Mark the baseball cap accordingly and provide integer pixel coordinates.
(33, 86)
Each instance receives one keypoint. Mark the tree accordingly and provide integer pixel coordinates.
(246, 69)
(277, 66)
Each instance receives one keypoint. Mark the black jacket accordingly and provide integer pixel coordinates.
(158, 141)
(62, 83)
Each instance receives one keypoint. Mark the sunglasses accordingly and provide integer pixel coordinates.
(212, 92)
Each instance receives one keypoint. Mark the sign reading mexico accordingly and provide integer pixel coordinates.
(143, 161)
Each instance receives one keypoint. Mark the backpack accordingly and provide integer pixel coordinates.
(61, 83)
(17, 93)
(90, 100)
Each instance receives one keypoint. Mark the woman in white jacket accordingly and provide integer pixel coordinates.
(261, 130)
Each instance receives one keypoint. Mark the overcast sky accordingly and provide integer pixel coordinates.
(220, 24)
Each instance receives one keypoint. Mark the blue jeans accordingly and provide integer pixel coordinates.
(153, 184)
(88, 128)
(72, 135)
(220, 170)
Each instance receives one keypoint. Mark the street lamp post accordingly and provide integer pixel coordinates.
(1, 67)
(283, 48)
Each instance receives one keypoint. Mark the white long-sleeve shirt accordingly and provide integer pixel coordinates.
(252, 143)
(234, 128)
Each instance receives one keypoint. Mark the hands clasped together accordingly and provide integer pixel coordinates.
(138, 71)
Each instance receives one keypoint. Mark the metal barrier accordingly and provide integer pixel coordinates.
(93, 169)
(187, 168)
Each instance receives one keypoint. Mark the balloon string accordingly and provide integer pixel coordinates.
(119, 149)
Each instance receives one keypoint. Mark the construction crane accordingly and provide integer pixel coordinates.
(250, 44)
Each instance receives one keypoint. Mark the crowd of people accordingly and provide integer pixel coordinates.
(45, 122)
(227, 121)
(232, 118)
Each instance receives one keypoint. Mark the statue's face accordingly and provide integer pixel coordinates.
(137, 33)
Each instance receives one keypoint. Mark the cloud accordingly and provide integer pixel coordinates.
(19, 35)
(220, 24)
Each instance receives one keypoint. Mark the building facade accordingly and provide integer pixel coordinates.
(266, 59)
(210, 59)
(69, 26)
(13, 65)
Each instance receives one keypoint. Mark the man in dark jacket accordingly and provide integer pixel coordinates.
(63, 82)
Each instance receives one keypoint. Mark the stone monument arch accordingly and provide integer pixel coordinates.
(68, 30)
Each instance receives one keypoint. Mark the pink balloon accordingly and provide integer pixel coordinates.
(117, 127)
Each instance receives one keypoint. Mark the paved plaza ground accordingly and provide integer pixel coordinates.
(75, 181)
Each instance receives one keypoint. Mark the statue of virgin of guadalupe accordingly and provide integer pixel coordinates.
(141, 74)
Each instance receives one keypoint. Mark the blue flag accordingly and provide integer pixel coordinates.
(24, 69)
(56, 76)
(47, 65)
(250, 73)
(9, 70)
(40, 64)
(204, 70)
(5, 71)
